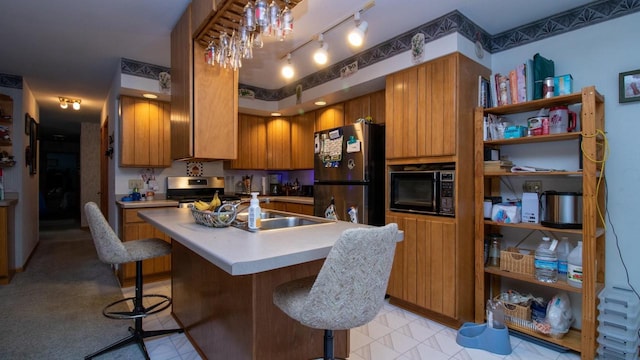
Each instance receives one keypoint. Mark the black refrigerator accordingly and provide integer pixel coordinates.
(349, 173)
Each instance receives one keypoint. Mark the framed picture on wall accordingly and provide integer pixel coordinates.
(629, 83)
(33, 146)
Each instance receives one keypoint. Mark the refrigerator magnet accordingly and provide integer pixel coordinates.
(353, 147)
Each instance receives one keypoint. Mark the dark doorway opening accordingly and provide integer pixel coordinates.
(60, 182)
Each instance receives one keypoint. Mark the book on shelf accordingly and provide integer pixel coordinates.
(498, 165)
(502, 89)
(521, 83)
(513, 86)
(484, 92)
(529, 79)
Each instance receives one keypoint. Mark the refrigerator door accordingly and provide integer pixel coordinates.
(345, 197)
(341, 154)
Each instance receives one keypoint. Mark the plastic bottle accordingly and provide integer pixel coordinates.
(564, 248)
(546, 260)
(254, 212)
(574, 266)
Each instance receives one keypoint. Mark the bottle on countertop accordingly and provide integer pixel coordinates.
(546, 260)
(574, 266)
(254, 212)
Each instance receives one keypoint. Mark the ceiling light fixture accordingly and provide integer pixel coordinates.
(276, 114)
(356, 36)
(287, 69)
(320, 103)
(64, 103)
(321, 55)
(150, 96)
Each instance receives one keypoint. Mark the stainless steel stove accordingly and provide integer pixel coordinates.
(188, 189)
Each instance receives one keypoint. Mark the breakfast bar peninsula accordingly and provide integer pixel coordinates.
(223, 281)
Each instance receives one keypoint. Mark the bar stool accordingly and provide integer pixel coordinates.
(113, 251)
(349, 290)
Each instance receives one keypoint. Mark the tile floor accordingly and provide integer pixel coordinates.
(393, 334)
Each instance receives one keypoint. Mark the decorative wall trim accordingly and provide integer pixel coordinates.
(577, 18)
(10, 81)
(586, 15)
(141, 69)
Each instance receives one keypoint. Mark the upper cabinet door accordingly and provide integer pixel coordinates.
(302, 129)
(278, 144)
(421, 110)
(330, 117)
(145, 133)
(252, 143)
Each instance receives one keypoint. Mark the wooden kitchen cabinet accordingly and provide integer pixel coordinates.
(427, 107)
(432, 270)
(181, 85)
(330, 117)
(6, 122)
(429, 120)
(278, 143)
(252, 143)
(367, 105)
(297, 208)
(302, 143)
(208, 127)
(134, 228)
(145, 133)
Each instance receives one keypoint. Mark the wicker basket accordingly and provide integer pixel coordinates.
(219, 218)
(513, 261)
(515, 313)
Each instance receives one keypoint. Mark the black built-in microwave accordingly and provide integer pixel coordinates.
(423, 191)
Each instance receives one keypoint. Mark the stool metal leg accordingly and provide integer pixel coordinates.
(137, 333)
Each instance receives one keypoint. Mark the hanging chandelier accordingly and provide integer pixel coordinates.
(228, 45)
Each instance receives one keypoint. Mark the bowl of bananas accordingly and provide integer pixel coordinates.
(213, 214)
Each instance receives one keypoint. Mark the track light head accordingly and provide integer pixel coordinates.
(321, 55)
(356, 36)
(287, 69)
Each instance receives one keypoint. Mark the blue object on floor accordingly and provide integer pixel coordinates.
(480, 336)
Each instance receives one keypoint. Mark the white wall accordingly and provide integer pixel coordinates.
(595, 56)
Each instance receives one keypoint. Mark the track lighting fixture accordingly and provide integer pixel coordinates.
(320, 56)
(356, 36)
(287, 69)
(64, 103)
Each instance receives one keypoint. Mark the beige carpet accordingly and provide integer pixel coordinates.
(52, 310)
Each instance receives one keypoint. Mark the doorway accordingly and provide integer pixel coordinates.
(59, 182)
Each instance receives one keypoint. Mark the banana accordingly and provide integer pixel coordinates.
(215, 202)
(201, 205)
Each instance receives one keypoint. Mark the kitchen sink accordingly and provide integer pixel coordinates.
(272, 220)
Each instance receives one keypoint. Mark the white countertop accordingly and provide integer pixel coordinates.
(241, 252)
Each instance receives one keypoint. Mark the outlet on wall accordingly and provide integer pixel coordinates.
(532, 186)
(136, 183)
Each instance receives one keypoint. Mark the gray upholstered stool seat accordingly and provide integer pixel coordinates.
(112, 250)
(350, 287)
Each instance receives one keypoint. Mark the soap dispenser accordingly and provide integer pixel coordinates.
(254, 212)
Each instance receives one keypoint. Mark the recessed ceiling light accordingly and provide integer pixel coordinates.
(276, 114)
(320, 103)
(150, 96)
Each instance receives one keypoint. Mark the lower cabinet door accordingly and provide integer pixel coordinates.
(424, 268)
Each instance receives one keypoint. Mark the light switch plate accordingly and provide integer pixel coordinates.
(136, 183)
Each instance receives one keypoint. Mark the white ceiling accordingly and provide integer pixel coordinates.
(73, 48)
